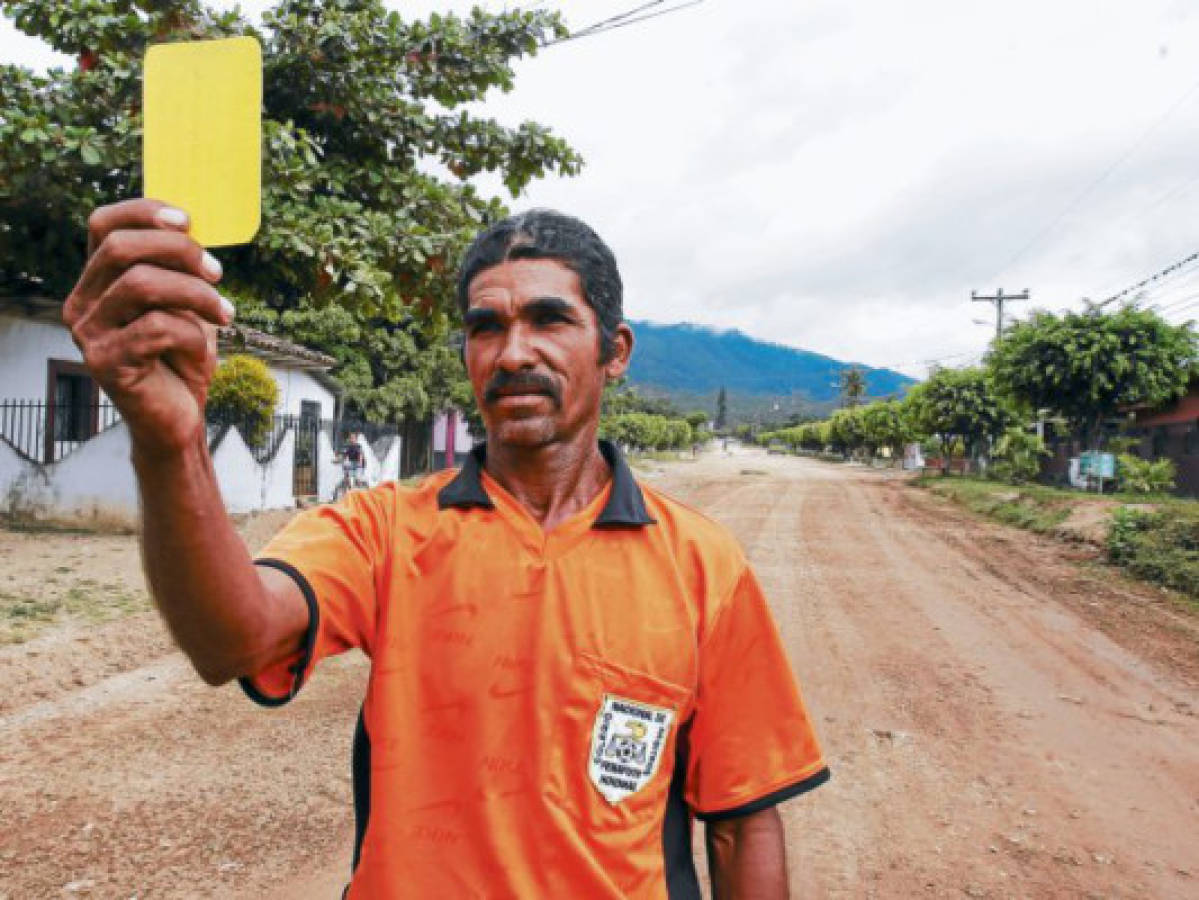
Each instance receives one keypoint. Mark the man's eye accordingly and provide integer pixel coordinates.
(482, 327)
(551, 318)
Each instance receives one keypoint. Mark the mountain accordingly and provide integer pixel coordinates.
(690, 363)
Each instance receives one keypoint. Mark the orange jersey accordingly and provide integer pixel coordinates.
(546, 711)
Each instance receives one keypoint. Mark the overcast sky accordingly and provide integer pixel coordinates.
(839, 177)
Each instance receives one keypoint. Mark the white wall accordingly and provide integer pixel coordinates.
(25, 345)
(246, 485)
(328, 473)
(94, 485)
(296, 385)
(389, 465)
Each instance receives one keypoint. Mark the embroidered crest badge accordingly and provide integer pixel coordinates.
(627, 743)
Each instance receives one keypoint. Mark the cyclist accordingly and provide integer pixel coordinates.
(353, 461)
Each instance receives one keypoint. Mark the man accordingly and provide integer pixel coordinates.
(353, 461)
(566, 665)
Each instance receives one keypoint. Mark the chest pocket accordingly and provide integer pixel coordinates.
(615, 745)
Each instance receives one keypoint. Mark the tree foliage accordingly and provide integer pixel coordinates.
(368, 143)
(958, 406)
(644, 424)
(885, 425)
(852, 383)
(1089, 366)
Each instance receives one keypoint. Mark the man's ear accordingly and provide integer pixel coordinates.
(622, 352)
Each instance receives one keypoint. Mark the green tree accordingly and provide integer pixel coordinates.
(957, 406)
(369, 141)
(721, 422)
(846, 432)
(698, 422)
(852, 380)
(885, 425)
(1089, 366)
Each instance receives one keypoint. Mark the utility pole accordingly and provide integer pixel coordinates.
(998, 298)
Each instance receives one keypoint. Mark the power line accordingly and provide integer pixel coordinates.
(620, 20)
(1156, 276)
(1103, 176)
(595, 26)
(1162, 294)
(1177, 304)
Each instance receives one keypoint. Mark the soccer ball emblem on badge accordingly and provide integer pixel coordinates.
(630, 747)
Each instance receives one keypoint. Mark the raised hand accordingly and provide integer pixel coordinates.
(144, 314)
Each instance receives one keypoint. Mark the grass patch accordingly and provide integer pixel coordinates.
(1033, 507)
(25, 616)
(1153, 537)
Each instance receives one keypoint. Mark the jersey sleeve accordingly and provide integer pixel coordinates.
(751, 742)
(333, 553)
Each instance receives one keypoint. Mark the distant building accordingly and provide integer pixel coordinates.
(1172, 432)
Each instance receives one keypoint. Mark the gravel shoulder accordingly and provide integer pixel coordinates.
(1003, 716)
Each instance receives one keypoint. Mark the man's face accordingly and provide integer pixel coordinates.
(532, 352)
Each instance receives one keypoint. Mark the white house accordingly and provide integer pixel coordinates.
(64, 453)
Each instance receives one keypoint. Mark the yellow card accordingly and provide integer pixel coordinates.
(202, 143)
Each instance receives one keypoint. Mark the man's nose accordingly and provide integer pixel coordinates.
(517, 351)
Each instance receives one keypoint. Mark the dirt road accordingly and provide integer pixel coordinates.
(1001, 721)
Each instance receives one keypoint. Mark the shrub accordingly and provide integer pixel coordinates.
(1145, 476)
(243, 392)
(1160, 545)
(1017, 457)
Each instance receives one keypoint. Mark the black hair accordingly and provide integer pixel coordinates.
(546, 234)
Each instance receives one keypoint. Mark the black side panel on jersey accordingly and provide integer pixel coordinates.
(361, 767)
(681, 881)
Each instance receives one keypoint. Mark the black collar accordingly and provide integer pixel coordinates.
(625, 506)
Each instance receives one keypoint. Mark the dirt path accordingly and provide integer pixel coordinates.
(1000, 721)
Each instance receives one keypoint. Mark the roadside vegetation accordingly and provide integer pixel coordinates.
(1159, 545)
(1152, 536)
(649, 426)
(1083, 371)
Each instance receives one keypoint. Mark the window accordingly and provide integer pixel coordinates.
(1190, 444)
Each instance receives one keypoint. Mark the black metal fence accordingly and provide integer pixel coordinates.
(262, 436)
(47, 432)
(44, 432)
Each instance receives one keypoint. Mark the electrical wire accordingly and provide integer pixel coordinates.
(621, 20)
(1095, 184)
(1145, 282)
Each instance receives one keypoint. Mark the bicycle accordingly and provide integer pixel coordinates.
(353, 478)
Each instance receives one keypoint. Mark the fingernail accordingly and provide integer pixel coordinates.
(168, 215)
(211, 265)
(227, 308)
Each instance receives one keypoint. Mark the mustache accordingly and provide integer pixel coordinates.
(521, 382)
